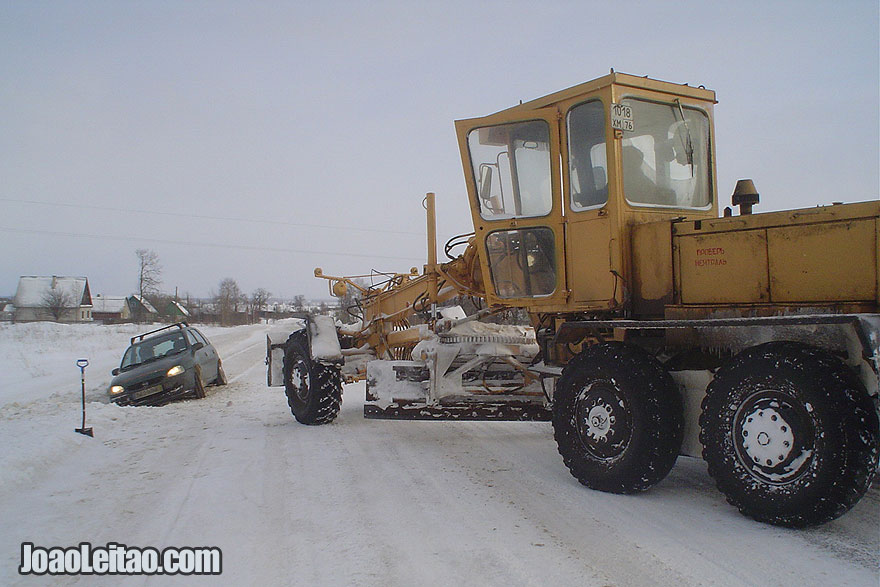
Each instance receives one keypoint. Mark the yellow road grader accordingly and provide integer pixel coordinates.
(659, 324)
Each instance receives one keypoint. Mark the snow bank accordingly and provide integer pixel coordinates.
(38, 359)
(41, 387)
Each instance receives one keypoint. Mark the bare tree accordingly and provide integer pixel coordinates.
(56, 301)
(149, 272)
(228, 299)
(349, 308)
(299, 303)
(258, 302)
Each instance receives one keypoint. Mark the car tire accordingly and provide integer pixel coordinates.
(221, 374)
(617, 418)
(789, 434)
(198, 385)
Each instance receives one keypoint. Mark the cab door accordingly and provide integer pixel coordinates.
(592, 245)
(512, 170)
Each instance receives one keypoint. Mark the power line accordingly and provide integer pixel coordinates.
(207, 217)
(203, 244)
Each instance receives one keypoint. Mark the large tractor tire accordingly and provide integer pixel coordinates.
(790, 434)
(617, 418)
(314, 390)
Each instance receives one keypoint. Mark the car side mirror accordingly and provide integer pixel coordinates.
(115, 372)
(198, 346)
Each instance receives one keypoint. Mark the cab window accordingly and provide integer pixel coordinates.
(522, 262)
(666, 158)
(587, 164)
(511, 165)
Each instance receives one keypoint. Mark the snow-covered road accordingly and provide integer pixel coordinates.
(359, 502)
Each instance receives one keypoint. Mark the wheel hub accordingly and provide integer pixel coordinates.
(599, 422)
(774, 437)
(299, 378)
(602, 420)
(767, 438)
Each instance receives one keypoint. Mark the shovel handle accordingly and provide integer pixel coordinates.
(82, 363)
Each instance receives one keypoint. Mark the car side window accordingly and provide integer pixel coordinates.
(200, 337)
(191, 338)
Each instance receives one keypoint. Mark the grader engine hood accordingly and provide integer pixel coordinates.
(825, 256)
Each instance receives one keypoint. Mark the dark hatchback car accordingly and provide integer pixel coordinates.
(165, 364)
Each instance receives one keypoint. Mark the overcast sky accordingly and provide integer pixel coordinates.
(260, 140)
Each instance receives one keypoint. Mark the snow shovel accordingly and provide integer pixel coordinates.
(82, 364)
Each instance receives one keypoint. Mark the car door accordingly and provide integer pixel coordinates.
(206, 357)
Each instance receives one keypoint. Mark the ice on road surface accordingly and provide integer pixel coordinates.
(356, 502)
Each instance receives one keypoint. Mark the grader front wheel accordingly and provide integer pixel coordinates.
(314, 390)
(617, 418)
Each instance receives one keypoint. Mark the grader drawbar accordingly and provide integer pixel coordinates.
(658, 324)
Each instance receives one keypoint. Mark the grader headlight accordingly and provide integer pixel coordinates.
(340, 289)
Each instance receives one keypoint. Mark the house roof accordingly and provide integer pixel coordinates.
(147, 305)
(183, 311)
(108, 304)
(32, 290)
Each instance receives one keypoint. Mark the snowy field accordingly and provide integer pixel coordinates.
(356, 502)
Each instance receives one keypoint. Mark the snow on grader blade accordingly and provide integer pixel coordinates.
(656, 324)
(461, 375)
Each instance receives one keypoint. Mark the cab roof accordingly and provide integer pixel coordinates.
(620, 79)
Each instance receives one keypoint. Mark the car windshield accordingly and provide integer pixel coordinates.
(153, 349)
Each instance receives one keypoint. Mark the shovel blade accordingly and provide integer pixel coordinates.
(85, 431)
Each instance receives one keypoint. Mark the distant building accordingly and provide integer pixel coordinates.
(62, 299)
(7, 311)
(110, 309)
(177, 311)
(141, 309)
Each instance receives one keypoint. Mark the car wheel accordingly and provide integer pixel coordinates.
(221, 374)
(198, 386)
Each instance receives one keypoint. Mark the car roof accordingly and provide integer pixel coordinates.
(182, 326)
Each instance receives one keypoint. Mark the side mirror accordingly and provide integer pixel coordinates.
(198, 345)
(485, 187)
(115, 372)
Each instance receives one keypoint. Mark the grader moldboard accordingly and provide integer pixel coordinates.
(657, 327)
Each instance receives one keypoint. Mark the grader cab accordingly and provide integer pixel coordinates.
(657, 326)
(556, 184)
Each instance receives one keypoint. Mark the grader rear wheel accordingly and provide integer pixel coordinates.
(790, 434)
(617, 418)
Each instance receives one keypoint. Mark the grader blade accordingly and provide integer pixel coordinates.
(518, 411)
(466, 388)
